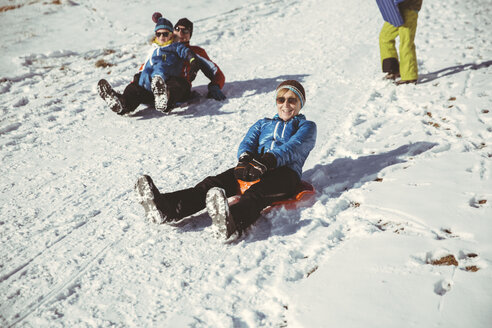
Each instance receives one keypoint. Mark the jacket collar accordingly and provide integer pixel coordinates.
(165, 44)
(296, 118)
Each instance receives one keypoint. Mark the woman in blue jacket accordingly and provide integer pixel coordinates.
(272, 152)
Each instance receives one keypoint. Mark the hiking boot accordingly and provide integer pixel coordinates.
(218, 209)
(159, 89)
(147, 193)
(406, 82)
(113, 99)
(392, 76)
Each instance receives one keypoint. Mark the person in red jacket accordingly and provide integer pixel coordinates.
(159, 81)
(183, 31)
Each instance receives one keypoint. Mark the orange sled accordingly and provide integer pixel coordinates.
(304, 194)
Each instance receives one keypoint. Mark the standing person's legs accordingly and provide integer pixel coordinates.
(275, 185)
(182, 203)
(389, 56)
(408, 55)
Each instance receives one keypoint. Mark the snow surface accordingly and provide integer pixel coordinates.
(403, 174)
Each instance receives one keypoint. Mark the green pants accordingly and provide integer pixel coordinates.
(407, 66)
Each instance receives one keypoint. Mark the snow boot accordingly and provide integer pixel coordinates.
(218, 209)
(159, 89)
(406, 82)
(391, 76)
(146, 196)
(111, 97)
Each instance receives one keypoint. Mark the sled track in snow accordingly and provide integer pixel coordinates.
(26, 263)
(69, 284)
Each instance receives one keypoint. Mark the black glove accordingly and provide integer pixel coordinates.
(215, 92)
(241, 169)
(251, 169)
(194, 68)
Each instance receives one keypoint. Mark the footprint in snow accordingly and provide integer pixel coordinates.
(477, 202)
(21, 102)
(9, 128)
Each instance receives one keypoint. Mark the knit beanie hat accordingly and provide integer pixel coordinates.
(186, 23)
(295, 87)
(161, 22)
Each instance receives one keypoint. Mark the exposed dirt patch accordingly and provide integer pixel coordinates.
(445, 260)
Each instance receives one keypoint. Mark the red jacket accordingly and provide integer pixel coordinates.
(208, 67)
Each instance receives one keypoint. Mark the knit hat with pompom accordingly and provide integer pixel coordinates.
(161, 22)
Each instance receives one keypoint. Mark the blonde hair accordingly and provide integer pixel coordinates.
(282, 92)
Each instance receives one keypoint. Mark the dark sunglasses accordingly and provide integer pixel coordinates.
(182, 29)
(291, 101)
(164, 34)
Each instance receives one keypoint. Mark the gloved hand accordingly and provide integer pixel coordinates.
(215, 92)
(241, 169)
(194, 68)
(251, 169)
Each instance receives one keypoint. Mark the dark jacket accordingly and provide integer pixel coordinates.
(411, 5)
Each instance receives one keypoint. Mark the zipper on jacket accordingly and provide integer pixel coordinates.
(274, 136)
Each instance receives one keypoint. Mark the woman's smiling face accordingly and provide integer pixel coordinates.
(288, 105)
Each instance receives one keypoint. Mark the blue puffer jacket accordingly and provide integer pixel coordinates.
(290, 142)
(164, 61)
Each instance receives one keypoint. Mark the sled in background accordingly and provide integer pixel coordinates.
(390, 11)
(303, 196)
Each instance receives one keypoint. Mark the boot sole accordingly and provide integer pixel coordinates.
(218, 209)
(109, 96)
(159, 90)
(146, 198)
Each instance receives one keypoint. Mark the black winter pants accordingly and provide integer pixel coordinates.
(275, 185)
(134, 94)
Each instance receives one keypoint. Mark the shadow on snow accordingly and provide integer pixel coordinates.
(211, 107)
(332, 180)
(425, 78)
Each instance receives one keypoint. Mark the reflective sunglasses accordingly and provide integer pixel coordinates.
(290, 101)
(182, 29)
(164, 34)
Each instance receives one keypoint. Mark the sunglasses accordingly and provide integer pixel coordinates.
(290, 101)
(164, 34)
(182, 29)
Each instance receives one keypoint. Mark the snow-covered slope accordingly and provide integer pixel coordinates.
(402, 173)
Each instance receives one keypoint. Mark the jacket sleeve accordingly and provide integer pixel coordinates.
(299, 145)
(210, 69)
(251, 140)
(184, 52)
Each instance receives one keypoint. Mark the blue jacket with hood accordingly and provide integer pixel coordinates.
(290, 142)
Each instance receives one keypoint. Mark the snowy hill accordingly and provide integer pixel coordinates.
(399, 234)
